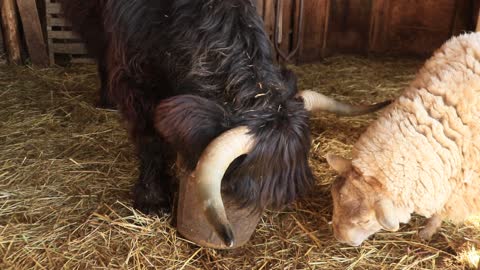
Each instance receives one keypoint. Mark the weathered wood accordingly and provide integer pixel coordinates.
(64, 45)
(82, 60)
(285, 36)
(69, 48)
(269, 20)
(3, 56)
(260, 7)
(415, 27)
(32, 30)
(10, 28)
(54, 8)
(349, 25)
(58, 22)
(477, 27)
(378, 25)
(462, 17)
(63, 35)
(419, 27)
(314, 29)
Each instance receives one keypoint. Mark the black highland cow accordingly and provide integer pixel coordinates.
(183, 73)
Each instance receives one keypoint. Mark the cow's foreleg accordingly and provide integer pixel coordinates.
(152, 193)
(104, 100)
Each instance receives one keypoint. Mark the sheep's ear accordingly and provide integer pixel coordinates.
(338, 163)
(386, 214)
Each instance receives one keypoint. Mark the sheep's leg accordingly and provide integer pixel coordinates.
(431, 227)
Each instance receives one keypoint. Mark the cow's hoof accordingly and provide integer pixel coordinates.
(151, 200)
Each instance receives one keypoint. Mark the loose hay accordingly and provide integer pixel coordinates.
(66, 170)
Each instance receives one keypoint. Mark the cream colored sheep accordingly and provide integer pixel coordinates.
(422, 155)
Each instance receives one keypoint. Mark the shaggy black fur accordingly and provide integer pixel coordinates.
(208, 66)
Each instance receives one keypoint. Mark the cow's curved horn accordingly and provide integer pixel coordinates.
(209, 172)
(315, 101)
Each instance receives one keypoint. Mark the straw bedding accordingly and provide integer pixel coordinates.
(66, 170)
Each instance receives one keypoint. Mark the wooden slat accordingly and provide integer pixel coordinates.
(286, 29)
(477, 27)
(69, 48)
(3, 56)
(314, 30)
(63, 35)
(54, 8)
(349, 25)
(32, 30)
(10, 28)
(83, 60)
(75, 49)
(419, 27)
(58, 22)
(461, 21)
(269, 20)
(378, 25)
(260, 7)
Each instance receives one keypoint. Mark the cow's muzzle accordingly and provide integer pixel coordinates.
(202, 215)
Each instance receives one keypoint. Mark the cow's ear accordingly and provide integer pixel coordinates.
(340, 164)
(188, 123)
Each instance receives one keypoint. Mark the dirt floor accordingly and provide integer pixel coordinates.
(66, 170)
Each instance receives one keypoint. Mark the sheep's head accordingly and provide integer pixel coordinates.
(360, 205)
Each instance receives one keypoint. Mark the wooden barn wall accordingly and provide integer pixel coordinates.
(401, 27)
(417, 27)
(404, 27)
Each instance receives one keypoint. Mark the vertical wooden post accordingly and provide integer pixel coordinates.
(325, 28)
(315, 22)
(269, 20)
(477, 28)
(285, 31)
(2, 48)
(260, 7)
(378, 25)
(32, 29)
(10, 29)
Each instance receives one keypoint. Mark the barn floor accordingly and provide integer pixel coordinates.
(66, 169)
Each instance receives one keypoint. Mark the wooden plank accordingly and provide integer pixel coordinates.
(269, 20)
(32, 30)
(295, 27)
(475, 15)
(314, 30)
(63, 35)
(477, 27)
(3, 56)
(10, 28)
(260, 7)
(378, 25)
(419, 27)
(58, 22)
(464, 10)
(83, 60)
(54, 8)
(286, 31)
(69, 48)
(349, 25)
